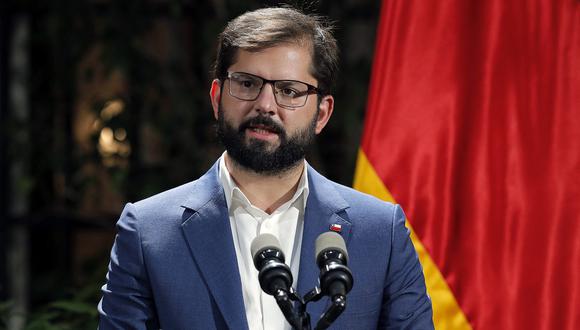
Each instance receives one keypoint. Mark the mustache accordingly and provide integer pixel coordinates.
(267, 122)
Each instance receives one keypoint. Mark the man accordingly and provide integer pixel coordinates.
(181, 259)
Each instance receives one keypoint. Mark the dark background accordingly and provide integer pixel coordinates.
(105, 102)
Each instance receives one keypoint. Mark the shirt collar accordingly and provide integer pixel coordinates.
(234, 193)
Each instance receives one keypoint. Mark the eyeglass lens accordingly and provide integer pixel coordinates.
(287, 92)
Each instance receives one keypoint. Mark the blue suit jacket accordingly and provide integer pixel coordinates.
(173, 264)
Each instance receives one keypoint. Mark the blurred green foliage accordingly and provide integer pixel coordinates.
(73, 306)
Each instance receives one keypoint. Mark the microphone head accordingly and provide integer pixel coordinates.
(262, 242)
(330, 241)
(274, 274)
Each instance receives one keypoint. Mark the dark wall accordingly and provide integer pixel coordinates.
(4, 34)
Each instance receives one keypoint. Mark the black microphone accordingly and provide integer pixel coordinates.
(332, 259)
(269, 261)
(275, 276)
(335, 277)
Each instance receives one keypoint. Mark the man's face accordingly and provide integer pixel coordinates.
(260, 135)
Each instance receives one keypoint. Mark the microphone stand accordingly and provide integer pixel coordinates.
(284, 301)
(298, 318)
(336, 308)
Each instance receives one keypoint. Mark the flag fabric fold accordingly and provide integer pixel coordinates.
(473, 126)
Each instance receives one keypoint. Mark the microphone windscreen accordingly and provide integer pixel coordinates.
(330, 241)
(263, 242)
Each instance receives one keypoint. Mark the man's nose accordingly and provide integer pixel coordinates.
(266, 101)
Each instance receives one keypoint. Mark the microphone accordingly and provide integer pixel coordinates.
(332, 259)
(335, 277)
(274, 275)
(269, 261)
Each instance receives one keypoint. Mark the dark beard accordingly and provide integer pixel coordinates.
(255, 155)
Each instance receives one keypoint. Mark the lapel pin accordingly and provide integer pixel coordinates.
(336, 228)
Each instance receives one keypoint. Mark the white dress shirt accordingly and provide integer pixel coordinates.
(247, 222)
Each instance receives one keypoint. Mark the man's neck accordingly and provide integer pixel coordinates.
(267, 192)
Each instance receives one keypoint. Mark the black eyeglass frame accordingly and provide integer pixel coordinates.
(311, 89)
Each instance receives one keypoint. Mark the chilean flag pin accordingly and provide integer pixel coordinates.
(336, 228)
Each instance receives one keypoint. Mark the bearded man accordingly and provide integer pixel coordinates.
(182, 260)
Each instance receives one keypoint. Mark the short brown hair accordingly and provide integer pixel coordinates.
(269, 27)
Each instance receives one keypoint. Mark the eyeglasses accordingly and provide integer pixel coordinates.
(289, 94)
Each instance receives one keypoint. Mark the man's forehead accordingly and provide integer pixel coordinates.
(284, 61)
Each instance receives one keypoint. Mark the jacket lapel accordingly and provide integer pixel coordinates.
(325, 207)
(209, 238)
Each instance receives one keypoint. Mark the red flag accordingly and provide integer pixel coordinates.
(473, 125)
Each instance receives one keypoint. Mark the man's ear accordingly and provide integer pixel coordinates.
(215, 96)
(324, 112)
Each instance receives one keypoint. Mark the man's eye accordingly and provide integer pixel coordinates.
(289, 92)
(247, 83)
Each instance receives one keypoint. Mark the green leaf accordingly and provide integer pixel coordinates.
(75, 307)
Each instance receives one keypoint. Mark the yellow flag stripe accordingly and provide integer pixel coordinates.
(446, 311)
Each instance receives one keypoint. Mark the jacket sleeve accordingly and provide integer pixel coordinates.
(127, 302)
(406, 304)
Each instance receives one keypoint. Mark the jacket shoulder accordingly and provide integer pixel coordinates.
(355, 201)
(165, 201)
